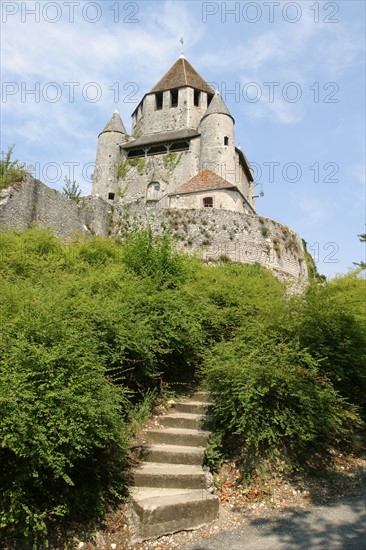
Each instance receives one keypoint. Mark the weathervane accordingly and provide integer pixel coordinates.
(182, 42)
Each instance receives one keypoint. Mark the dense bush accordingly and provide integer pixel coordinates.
(91, 329)
(84, 338)
(333, 328)
(292, 379)
(63, 426)
(270, 397)
(153, 259)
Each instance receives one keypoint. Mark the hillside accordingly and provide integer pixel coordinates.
(96, 330)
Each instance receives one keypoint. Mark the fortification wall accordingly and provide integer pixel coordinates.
(211, 234)
(31, 202)
(216, 235)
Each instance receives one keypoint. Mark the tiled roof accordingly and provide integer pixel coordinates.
(115, 124)
(161, 137)
(203, 181)
(182, 74)
(217, 105)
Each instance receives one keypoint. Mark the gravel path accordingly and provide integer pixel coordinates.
(331, 527)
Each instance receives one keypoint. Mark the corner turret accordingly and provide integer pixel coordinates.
(218, 141)
(108, 157)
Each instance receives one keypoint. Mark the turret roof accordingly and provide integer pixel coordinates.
(203, 181)
(218, 106)
(182, 74)
(115, 124)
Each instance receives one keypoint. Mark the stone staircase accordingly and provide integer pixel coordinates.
(170, 487)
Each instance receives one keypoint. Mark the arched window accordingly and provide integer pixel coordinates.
(208, 202)
(153, 191)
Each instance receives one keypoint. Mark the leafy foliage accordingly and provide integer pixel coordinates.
(153, 259)
(270, 395)
(333, 327)
(362, 238)
(93, 328)
(11, 171)
(71, 190)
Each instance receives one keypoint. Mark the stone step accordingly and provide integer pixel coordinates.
(174, 454)
(182, 420)
(165, 511)
(191, 407)
(178, 436)
(170, 492)
(168, 476)
(202, 396)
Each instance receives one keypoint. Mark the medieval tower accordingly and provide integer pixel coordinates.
(178, 171)
(181, 153)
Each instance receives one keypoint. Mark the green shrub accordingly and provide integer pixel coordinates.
(92, 329)
(271, 397)
(11, 171)
(63, 437)
(71, 190)
(333, 328)
(153, 259)
(264, 231)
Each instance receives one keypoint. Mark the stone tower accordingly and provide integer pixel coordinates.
(181, 153)
(217, 141)
(108, 157)
(177, 101)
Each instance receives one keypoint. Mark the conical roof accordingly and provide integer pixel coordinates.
(182, 74)
(115, 124)
(218, 106)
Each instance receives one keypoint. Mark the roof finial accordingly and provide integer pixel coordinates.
(182, 56)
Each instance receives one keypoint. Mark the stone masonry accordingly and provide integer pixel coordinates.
(220, 235)
(31, 202)
(179, 170)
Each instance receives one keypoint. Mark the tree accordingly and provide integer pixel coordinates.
(362, 238)
(71, 190)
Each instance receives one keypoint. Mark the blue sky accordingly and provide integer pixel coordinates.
(291, 73)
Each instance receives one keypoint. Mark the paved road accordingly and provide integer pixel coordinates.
(334, 527)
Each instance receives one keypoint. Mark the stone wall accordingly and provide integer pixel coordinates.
(225, 199)
(211, 234)
(221, 235)
(33, 203)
